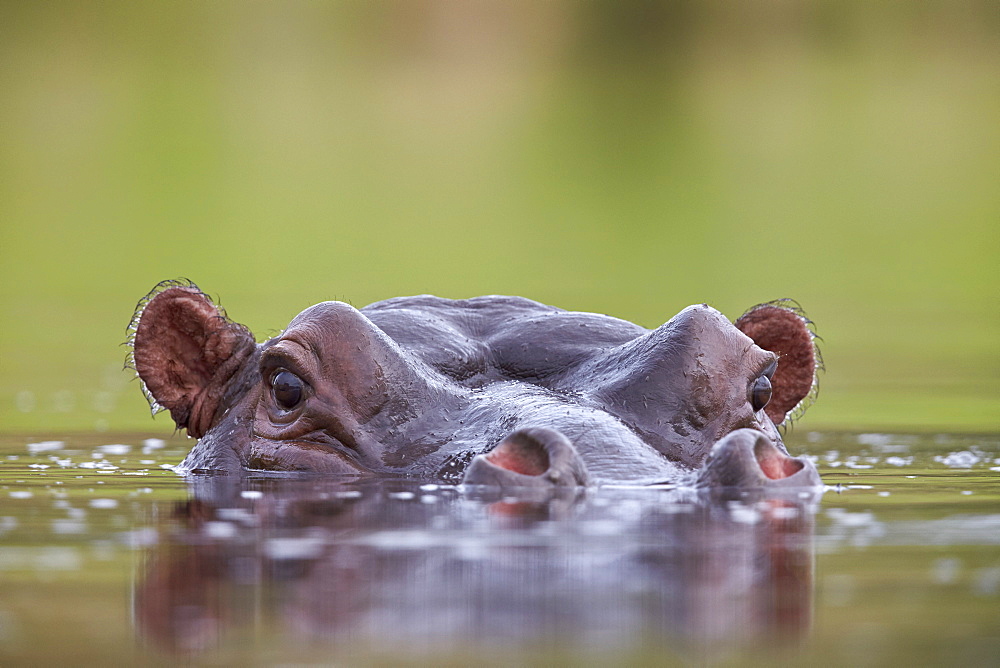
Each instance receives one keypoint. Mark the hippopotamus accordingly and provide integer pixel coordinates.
(493, 390)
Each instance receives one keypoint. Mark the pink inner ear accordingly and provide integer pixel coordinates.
(520, 455)
(784, 332)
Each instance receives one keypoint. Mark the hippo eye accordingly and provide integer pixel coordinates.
(759, 393)
(287, 389)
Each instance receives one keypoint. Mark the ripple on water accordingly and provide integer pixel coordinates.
(936, 551)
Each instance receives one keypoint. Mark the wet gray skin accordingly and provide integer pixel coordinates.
(494, 390)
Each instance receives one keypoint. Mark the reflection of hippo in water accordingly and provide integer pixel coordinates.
(389, 571)
(491, 390)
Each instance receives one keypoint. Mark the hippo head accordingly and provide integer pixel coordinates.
(492, 390)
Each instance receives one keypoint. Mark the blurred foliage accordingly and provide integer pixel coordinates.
(628, 159)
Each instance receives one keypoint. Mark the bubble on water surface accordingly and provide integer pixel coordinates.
(849, 519)
(886, 443)
(103, 465)
(103, 503)
(852, 463)
(151, 444)
(219, 530)
(45, 446)
(38, 466)
(114, 449)
(744, 515)
(294, 548)
(403, 539)
(240, 515)
(402, 496)
(139, 538)
(24, 494)
(251, 494)
(784, 512)
(898, 461)
(677, 508)
(964, 459)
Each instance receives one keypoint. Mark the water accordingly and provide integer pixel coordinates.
(106, 556)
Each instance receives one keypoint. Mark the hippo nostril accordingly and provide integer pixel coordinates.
(774, 463)
(521, 454)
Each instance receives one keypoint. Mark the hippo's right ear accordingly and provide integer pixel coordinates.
(186, 350)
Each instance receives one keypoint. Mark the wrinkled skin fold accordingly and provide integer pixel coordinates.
(499, 391)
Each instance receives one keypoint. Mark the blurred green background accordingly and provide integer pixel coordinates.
(625, 158)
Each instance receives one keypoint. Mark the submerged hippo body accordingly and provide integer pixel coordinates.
(491, 390)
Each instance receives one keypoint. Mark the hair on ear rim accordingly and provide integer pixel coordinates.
(133, 327)
(792, 305)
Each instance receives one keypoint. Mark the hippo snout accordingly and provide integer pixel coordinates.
(747, 458)
(535, 457)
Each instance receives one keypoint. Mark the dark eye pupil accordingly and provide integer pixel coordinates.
(287, 389)
(760, 393)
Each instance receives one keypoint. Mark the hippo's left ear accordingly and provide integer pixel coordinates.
(781, 327)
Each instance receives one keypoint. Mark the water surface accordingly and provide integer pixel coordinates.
(106, 555)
